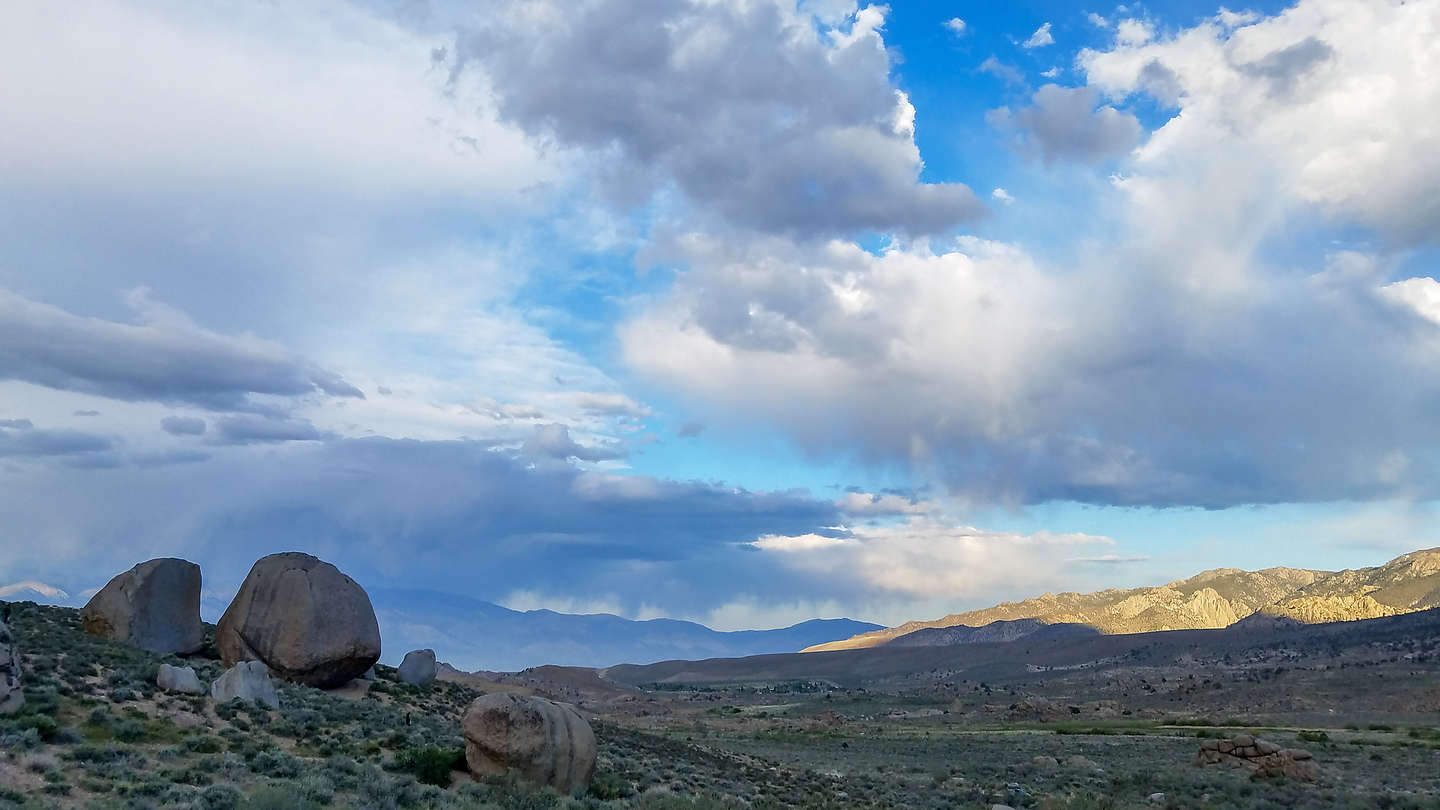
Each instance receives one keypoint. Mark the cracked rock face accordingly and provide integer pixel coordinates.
(154, 606)
(12, 697)
(1264, 757)
(308, 622)
(548, 743)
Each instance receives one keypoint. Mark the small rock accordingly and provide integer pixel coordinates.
(1077, 761)
(418, 668)
(1001, 807)
(1044, 761)
(249, 680)
(1156, 798)
(1242, 740)
(179, 679)
(12, 697)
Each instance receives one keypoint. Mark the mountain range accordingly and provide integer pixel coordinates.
(472, 634)
(1211, 599)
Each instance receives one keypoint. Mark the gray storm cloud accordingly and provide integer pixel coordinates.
(754, 115)
(1064, 123)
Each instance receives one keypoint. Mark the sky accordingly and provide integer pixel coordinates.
(739, 311)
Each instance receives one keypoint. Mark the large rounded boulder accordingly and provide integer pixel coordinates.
(305, 620)
(154, 606)
(546, 742)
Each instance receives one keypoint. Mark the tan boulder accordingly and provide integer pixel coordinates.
(154, 606)
(305, 620)
(546, 742)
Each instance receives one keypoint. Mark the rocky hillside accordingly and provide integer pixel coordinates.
(1405, 584)
(1210, 599)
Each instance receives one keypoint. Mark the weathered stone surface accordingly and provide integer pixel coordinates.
(1044, 761)
(307, 621)
(179, 679)
(154, 606)
(548, 743)
(418, 668)
(1262, 756)
(249, 680)
(12, 697)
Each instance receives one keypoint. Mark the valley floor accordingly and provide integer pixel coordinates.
(96, 733)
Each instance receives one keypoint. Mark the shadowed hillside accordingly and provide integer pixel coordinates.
(892, 666)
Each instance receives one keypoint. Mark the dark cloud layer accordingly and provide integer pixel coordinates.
(183, 425)
(20, 438)
(751, 112)
(452, 516)
(168, 359)
(247, 429)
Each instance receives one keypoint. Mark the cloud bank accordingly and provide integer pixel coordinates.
(1172, 358)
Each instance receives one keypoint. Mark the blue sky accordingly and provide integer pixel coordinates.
(740, 312)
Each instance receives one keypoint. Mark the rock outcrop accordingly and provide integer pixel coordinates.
(249, 680)
(154, 606)
(12, 697)
(179, 679)
(308, 622)
(1034, 708)
(548, 743)
(1262, 756)
(418, 668)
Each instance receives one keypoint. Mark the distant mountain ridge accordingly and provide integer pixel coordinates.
(1208, 600)
(472, 634)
